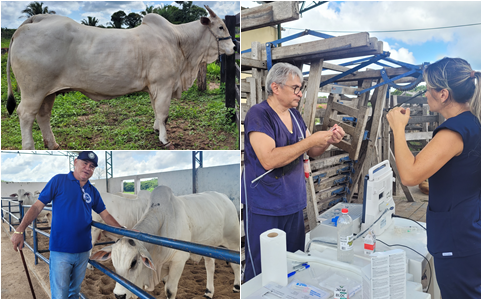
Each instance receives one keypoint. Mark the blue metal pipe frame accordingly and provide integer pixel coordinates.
(124, 282)
(214, 252)
(218, 253)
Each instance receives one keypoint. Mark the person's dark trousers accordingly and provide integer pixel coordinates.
(255, 225)
(458, 277)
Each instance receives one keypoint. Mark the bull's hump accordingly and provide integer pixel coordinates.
(156, 20)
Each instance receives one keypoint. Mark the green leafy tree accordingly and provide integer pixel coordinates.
(91, 21)
(36, 8)
(128, 186)
(169, 12)
(117, 19)
(149, 10)
(190, 12)
(132, 20)
(148, 185)
(186, 14)
(417, 89)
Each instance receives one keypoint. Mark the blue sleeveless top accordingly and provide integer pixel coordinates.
(453, 212)
(282, 191)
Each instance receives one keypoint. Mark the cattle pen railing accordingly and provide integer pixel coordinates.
(33, 227)
(214, 252)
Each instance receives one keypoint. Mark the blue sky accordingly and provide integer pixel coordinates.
(102, 10)
(40, 168)
(413, 47)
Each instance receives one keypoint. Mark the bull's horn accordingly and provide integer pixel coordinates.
(211, 13)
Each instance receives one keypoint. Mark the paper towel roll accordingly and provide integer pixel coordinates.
(273, 257)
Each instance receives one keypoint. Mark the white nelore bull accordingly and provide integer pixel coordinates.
(51, 54)
(29, 199)
(206, 218)
(126, 209)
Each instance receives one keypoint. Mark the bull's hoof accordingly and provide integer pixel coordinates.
(168, 146)
(208, 294)
(121, 296)
(236, 288)
(55, 147)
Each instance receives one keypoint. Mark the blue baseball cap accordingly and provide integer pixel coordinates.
(88, 155)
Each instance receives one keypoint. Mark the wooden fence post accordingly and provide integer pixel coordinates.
(230, 62)
(201, 77)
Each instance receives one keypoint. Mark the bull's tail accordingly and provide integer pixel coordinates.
(11, 103)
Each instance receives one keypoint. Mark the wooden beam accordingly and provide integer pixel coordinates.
(335, 67)
(311, 98)
(248, 63)
(414, 136)
(405, 189)
(407, 79)
(372, 74)
(338, 89)
(327, 162)
(332, 46)
(309, 113)
(269, 14)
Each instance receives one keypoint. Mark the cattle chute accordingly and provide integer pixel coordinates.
(214, 252)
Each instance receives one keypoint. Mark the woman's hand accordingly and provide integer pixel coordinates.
(338, 134)
(398, 118)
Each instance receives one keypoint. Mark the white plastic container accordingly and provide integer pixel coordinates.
(345, 237)
(369, 243)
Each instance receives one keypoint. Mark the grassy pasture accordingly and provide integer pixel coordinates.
(197, 121)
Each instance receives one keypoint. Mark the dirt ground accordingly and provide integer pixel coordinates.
(97, 285)
(14, 278)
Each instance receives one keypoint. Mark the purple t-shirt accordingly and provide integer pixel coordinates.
(282, 191)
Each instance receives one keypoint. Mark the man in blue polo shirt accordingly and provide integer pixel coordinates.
(73, 198)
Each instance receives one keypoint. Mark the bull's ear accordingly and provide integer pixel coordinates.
(148, 263)
(146, 257)
(102, 255)
(205, 21)
(13, 195)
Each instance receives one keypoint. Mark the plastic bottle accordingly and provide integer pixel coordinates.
(370, 243)
(345, 237)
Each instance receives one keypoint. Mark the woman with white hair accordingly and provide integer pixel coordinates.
(273, 182)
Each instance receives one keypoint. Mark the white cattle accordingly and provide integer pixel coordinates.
(126, 209)
(207, 218)
(52, 54)
(29, 199)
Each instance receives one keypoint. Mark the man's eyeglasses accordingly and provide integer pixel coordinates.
(85, 196)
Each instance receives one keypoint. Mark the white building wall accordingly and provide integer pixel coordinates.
(222, 179)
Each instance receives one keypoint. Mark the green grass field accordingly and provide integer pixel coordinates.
(199, 120)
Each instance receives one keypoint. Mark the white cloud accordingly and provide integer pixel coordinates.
(402, 54)
(33, 168)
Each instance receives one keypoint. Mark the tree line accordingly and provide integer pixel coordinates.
(147, 185)
(187, 13)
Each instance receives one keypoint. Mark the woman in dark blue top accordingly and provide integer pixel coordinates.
(451, 161)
